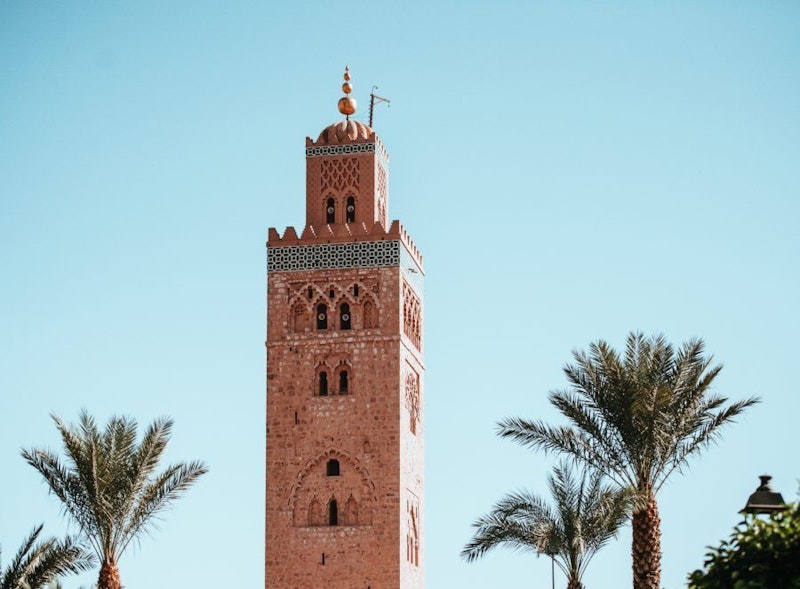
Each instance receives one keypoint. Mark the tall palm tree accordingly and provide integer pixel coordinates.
(109, 484)
(37, 564)
(585, 516)
(637, 418)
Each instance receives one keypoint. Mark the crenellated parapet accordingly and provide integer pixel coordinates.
(336, 236)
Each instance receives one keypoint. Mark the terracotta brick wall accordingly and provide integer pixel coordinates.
(345, 482)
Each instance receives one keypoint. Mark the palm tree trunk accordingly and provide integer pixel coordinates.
(575, 584)
(109, 575)
(646, 549)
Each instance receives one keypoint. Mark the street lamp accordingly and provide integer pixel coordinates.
(765, 499)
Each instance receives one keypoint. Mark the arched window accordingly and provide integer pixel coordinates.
(332, 468)
(322, 316)
(333, 513)
(323, 384)
(330, 211)
(350, 210)
(344, 316)
(344, 383)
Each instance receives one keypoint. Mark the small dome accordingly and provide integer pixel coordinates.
(344, 132)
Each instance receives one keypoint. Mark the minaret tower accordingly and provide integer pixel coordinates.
(344, 497)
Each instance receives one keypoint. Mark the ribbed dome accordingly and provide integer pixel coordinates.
(344, 132)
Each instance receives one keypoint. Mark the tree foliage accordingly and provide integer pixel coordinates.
(39, 563)
(759, 554)
(637, 417)
(109, 483)
(584, 516)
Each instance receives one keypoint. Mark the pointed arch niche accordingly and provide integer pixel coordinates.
(352, 489)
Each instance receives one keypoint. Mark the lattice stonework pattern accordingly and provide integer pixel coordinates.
(339, 174)
(412, 534)
(412, 399)
(361, 254)
(382, 192)
(412, 316)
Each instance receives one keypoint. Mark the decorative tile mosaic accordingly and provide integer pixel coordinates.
(361, 254)
(345, 149)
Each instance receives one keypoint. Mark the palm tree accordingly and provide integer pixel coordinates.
(109, 484)
(39, 564)
(636, 418)
(586, 515)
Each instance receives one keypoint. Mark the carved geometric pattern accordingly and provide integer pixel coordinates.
(304, 298)
(339, 174)
(412, 316)
(382, 194)
(340, 149)
(412, 399)
(352, 489)
(412, 533)
(361, 254)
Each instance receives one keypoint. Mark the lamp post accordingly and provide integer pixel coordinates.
(765, 499)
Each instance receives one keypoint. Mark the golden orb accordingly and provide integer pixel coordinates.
(347, 87)
(347, 105)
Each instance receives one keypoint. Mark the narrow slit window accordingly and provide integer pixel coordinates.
(323, 384)
(322, 316)
(344, 316)
(350, 210)
(333, 513)
(330, 211)
(343, 382)
(355, 290)
(332, 468)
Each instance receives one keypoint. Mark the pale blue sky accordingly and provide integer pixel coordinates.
(570, 170)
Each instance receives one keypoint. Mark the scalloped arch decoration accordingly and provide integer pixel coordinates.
(323, 457)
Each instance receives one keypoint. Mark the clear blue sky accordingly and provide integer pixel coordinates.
(570, 170)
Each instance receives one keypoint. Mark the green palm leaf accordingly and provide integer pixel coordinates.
(109, 483)
(636, 417)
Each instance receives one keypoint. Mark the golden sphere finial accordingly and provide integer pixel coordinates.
(347, 104)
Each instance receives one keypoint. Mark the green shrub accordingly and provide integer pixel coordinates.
(760, 554)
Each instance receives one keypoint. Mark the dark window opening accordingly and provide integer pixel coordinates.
(344, 316)
(310, 292)
(332, 469)
(343, 382)
(331, 294)
(355, 290)
(322, 317)
(351, 209)
(333, 513)
(323, 384)
(330, 211)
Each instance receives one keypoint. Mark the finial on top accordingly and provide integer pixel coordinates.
(347, 104)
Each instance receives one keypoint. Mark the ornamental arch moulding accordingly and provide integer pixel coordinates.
(313, 481)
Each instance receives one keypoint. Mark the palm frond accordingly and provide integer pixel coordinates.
(108, 483)
(38, 563)
(583, 517)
